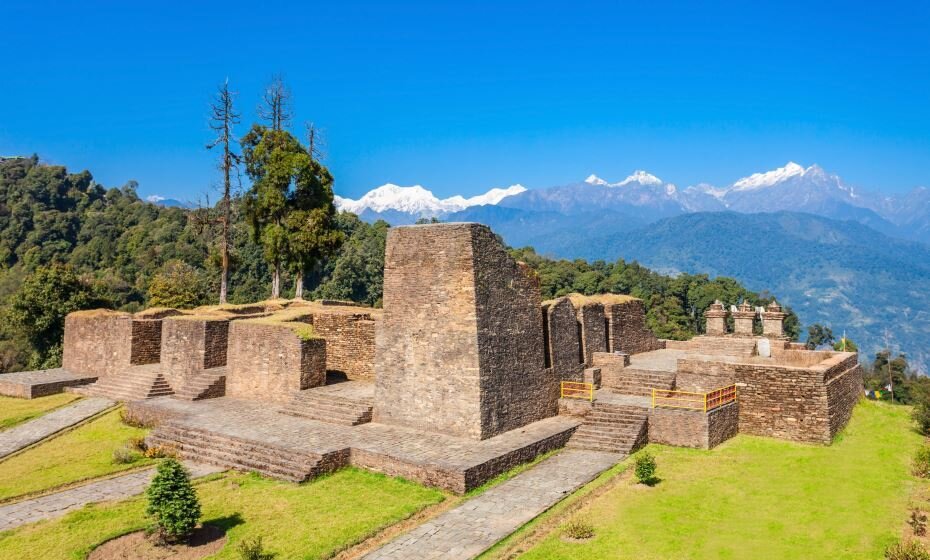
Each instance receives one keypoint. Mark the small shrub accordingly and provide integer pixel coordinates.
(123, 456)
(921, 465)
(138, 443)
(253, 549)
(130, 420)
(172, 503)
(578, 529)
(645, 469)
(907, 550)
(158, 452)
(918, 522)
(921, 416)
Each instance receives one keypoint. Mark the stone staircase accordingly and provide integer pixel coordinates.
(133, 384)
(327, 407)
(613, 428)
(209, 384)
(227, 451)
(641, 382)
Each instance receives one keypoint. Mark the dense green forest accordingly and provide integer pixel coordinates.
(68, 243)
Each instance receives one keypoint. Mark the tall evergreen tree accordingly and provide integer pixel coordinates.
(223, 118)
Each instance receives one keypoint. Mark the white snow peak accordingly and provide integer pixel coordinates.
(419, 200)
(770, 178)
(595, 180)
(641, 177)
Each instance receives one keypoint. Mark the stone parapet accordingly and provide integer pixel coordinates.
(693, 428)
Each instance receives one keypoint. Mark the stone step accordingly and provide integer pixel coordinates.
(235, 453)
(207, 385)
(323, 407)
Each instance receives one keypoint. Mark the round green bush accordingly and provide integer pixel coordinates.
(645, 469)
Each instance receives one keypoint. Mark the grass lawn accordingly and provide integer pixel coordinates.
(761, 498)
(16, 411)
(313, 520)
(85, 452)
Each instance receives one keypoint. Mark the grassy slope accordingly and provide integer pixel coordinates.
(86, 452)
(311, 520)
(762, 498)
(16, 411)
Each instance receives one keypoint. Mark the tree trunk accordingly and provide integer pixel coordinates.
(276, 281)
(224, 275)
(299, 286)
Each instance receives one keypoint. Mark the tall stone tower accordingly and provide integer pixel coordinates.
(460, 348)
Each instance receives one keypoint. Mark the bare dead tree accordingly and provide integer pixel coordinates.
(223, 118)
(275, 106)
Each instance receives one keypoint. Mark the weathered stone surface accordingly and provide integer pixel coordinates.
(191, 345)
(693, 428)
(716, 316)
(350, 340)
(626, 328)
(460, 350)
(593, 325)
(97, 343)
(743, 319)
(271, 362)
(563, 340)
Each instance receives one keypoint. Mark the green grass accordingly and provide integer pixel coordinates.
(85, 452)
(761, 498)
(312, 520)
(16, 411)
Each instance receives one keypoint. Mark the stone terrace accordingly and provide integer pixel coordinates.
(454, 463)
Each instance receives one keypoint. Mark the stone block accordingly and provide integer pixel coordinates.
(460, 349)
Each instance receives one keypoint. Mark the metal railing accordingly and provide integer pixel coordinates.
(577, 390)
(693, 401)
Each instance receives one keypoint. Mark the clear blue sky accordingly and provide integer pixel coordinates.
(465, 96)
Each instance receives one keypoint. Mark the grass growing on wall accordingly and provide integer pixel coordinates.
(15, 411)
(761, 498)
(85, 452)
(312, 520)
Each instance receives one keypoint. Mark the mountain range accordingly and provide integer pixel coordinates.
(851, 259)
(643, 198)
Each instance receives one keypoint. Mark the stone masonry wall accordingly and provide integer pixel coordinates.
(146, 342)
(270, 362)
(563, 342)
(97, 343)
(843, 392)
(627, 328)
(191, 345)
(460, 348)
(693, 428)
(350, 342)
(593, 325)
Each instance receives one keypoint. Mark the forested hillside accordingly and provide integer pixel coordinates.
(67, 243)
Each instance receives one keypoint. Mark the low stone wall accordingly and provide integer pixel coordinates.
(350, 342)
(718, 345)
(270, 362)
(627, 330)
(575, 407)
(693, 428)
(97, 342)
(809, 403)
(190, 345)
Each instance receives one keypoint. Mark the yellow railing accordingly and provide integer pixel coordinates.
(577, 390)
(694, 401)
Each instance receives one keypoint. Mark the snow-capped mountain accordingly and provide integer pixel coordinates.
(417, 202)
(643, 198)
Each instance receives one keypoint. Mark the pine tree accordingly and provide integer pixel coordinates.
(172, 503)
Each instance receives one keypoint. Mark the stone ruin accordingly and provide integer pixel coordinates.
(461, 376)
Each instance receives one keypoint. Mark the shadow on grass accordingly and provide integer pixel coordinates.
(226, 523)
(651, 481)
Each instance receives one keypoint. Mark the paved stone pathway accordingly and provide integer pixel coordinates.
(60, 503)
(34, 431)
(474, 526)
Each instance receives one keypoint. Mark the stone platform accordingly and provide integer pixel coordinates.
(40, 383)
(251, 435)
